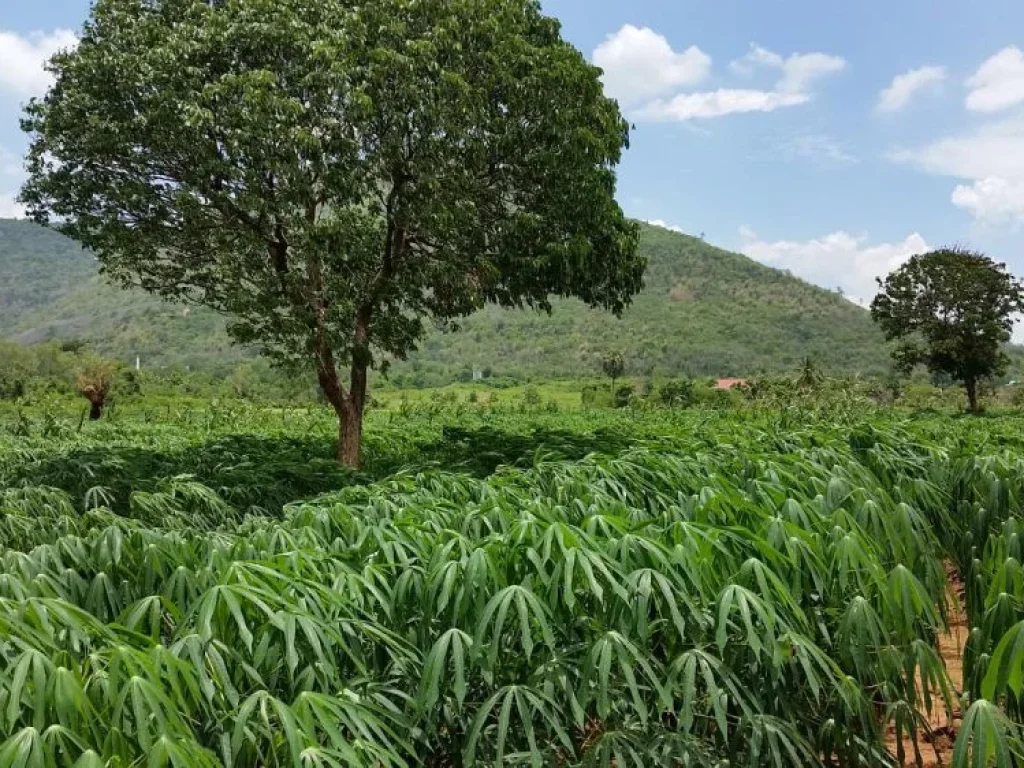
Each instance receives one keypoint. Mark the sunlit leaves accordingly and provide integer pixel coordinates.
(1006, 669)
(667, 605)
(517, 711)
(987, 738)
(452, 647)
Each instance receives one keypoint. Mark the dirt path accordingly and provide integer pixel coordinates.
(937, 742)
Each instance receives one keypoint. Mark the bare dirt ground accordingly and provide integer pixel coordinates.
(937, 740)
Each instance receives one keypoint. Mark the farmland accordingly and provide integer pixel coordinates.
(207, 587)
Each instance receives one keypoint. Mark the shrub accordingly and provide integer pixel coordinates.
(678, 393)
(623, 396)
(531, 397)
(588, 396)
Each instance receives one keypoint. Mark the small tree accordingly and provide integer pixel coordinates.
(331, 174)
(952, 311)
(94, 379)
(894, 385)
(1017, 395)
(613, 366)
(531, 397)
(810, 377)
(588, 396)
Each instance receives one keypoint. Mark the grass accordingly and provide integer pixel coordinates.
(565, 394)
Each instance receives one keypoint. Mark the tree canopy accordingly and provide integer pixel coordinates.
(614, 365)
(952, 310)
(331, 174)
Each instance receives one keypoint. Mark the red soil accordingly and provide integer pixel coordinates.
(937, 741)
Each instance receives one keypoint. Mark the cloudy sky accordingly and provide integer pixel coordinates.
(830, 138)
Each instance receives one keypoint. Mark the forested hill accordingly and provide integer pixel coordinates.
(704, 311)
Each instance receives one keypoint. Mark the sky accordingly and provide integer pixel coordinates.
(831, 138)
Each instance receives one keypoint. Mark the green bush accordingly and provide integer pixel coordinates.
(677, 393)
(531, 397)
(624, 395)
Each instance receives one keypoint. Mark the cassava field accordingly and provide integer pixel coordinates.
(204, 587)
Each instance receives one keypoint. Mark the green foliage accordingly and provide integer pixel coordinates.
(656, 587)
(531, 397)
(1017, 395)
(703, 312)
(27, 373)
(37, 268)
(362, 170)
(588, 396)
(677, 393)
(613, 366)
(951, 310)
(32, 374)
(810, 377)
(624, 396)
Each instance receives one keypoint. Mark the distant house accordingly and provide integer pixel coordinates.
(730, 383)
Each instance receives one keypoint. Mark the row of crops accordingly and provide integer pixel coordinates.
(600, 590)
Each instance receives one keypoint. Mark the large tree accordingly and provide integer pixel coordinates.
(951, 310)
(332, 174)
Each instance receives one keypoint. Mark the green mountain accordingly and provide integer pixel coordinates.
(50, 288)
(703, 312)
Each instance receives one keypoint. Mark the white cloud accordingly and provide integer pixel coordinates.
(10, 163)
(757, 57)
(821, 149)
(724, 101)
(801, 70)
(11, 173)
(9, 207)
(639, 64)
(835, 260)
(992, 199)
(998, 83)
(904, 87)
(991, 158)
(798, 72)
(664, 225)
(796, 76)
(22, 58)
(995, 149)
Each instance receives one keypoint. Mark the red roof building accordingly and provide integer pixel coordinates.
(730, 383)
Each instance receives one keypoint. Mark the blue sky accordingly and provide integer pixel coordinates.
(828, 137)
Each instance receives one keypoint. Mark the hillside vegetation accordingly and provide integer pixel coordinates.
(704, 312)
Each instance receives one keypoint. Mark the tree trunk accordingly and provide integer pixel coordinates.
(350, 434)
(347, 405)
(349, 410)
(95, 409)
(972, 395)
